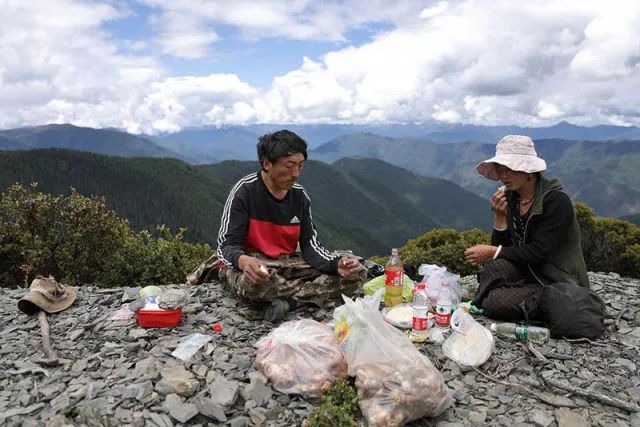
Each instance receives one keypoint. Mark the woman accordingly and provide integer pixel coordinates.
(536, 236)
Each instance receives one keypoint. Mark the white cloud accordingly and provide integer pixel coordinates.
(487, 63)
(480, 61)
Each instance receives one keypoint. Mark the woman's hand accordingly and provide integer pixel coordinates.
(499, 203)
(499, 208)
(349, 268)
(479, 254)
(254, 269)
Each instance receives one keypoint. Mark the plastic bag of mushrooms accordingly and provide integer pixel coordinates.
(396, 383)
(302, 357)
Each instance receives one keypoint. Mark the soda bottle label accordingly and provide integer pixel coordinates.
(393, 278)
(419, 324)
(443, 315)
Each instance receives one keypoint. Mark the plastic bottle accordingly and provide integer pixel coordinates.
(521, 332)
(443, 307)
(420, 312)
(394, 275)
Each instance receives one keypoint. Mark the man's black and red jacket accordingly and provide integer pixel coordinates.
(254, 220)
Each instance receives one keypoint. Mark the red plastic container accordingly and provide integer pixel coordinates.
(159, 318)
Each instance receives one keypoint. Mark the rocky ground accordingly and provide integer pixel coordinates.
(115, 373)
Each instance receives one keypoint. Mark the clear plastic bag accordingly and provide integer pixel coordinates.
(470, 343)
(396, 383)
(434, 276)
(302, 357)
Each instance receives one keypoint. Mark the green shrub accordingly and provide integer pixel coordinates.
(609, 245)
(444, 247)
(339, 407)
(80, 241)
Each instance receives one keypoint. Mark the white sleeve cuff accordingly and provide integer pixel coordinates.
(497, 252)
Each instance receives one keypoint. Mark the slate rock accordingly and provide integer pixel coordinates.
(211, 409)
(566, 417)
(224, 392)
(179, 410)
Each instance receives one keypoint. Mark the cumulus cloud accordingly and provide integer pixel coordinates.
(480, 61)
(483, 62)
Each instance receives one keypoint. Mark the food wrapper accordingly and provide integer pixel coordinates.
(301, 357)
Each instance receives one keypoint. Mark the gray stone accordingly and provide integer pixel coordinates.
(160, 420)
(144, 390)
(565, 417)
(540, 418)
(258, 392)
(211, 409)
(179, 410)
(138, 333)
(258, 416)
(224, 392)
(180, 381)
(129, 294)
(79, 365)
(240, 421)
(634, 419)
(477, 417)
(94, 388)
(626, 363)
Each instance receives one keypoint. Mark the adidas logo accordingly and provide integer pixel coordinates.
(294, 220)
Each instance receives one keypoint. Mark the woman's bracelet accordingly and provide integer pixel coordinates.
(495, 255)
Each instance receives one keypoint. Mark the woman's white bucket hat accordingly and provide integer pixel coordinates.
(516, 152)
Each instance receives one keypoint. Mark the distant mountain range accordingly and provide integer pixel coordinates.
(213, 145)
(103, 141)
(603, 174)
(365, 205)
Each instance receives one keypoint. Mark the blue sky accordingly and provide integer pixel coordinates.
(254, 60)
(154, 66)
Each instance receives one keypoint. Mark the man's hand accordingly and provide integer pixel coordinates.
(349, 268)
(479, 254)
(254, 269)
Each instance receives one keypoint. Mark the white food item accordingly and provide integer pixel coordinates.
(401, 314)
(502, 188)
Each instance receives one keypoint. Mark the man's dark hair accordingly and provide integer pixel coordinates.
(272, 146)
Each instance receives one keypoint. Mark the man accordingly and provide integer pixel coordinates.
(267, 217)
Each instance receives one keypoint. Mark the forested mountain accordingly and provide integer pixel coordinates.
(146, 191)
(604, 175)
(104, 141)
(352, 209)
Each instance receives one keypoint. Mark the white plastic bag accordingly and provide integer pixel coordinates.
(433, 277)
(301, 356)
(396, 383)
(470, 343)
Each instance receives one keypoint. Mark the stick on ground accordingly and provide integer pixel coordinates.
(611, 401)
(46, 341)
